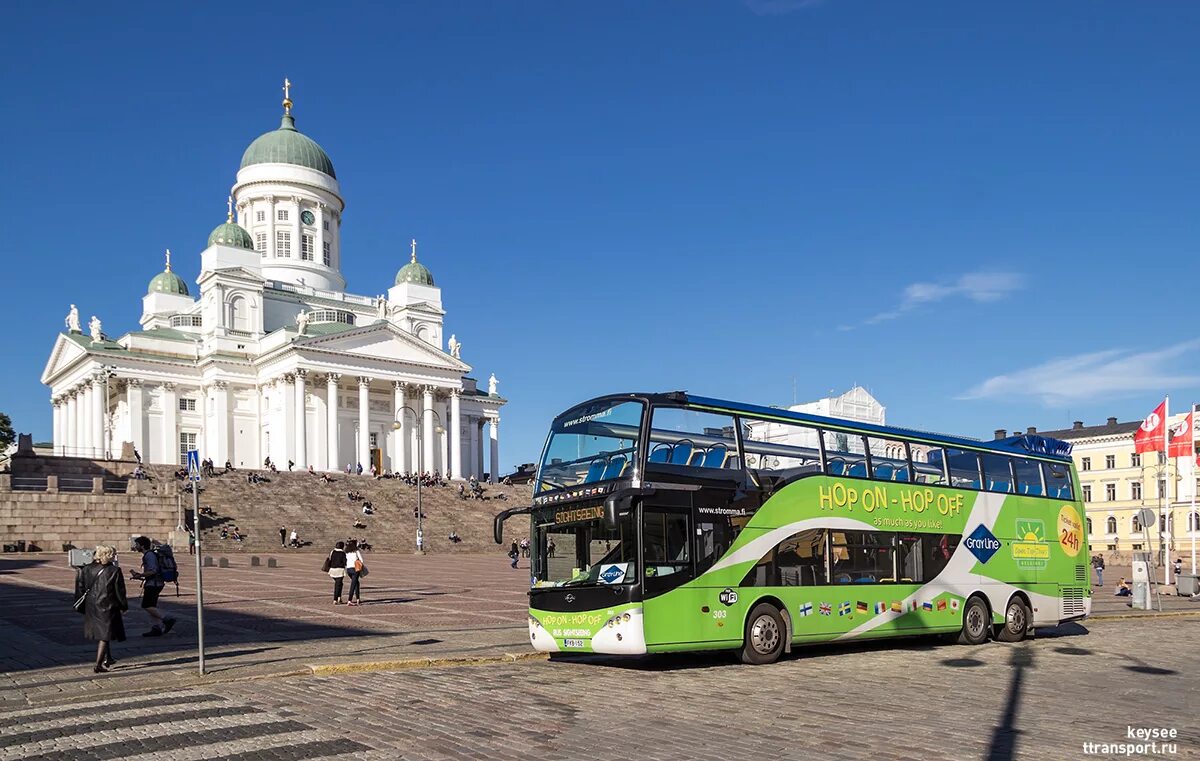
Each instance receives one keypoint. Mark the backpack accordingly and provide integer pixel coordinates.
(167, 570)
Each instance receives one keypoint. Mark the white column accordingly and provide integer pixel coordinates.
(364, 423)
(399, 459)
(259, 449)
(56, 406)
(296, 230)
(221, 425)
(495, 435)
(443, 439)
(71, 439)
(479, 423)
(83, 439)
(301, 421)
(331, 422)
(167, 435)
(427, 426)
(320, 434)
(137, 415)
(97, 426)
(455, 468)
(319, 246)
(272, 252)
(204, 442)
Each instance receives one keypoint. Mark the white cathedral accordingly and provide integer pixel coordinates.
(275, 359)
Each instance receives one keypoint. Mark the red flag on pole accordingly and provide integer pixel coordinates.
(1181, 438)
(1152, 435)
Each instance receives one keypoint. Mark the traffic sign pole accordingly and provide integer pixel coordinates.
(193, 460)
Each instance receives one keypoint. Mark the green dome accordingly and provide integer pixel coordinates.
(231, 234)
(414, 272)
(168, 282)
(288, 146)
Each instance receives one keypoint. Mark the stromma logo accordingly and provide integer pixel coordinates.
(982, 543)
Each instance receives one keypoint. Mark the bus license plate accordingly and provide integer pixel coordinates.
(573, 643)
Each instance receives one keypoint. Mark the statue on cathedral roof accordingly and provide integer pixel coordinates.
(455, 347)
(72, 321)
(381, 304)
(492, 383)
(96, 329)
(302, 322)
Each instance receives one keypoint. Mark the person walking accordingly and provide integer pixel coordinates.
(514, 553)
(152, 586)
(1098, 564)
(283, 536)
(102, 588)
(294, 539)
(356, 568)
(336, 565)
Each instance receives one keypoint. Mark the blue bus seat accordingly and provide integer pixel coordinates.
(836, 467)
(595, 471)
(615, 467)
(715, 457)
(697, 458)
(858, 469)
(901, 474)
(661, 453)
(1003, 487)
(885, 472)
(681, 453)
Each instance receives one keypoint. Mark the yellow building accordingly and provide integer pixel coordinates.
(1117, 482)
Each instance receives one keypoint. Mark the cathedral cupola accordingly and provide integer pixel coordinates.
(168, 282)
(230, 233)
(414, 272)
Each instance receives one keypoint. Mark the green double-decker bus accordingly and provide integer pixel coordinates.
(672, 522)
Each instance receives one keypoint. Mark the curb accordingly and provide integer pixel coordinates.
(1145, 616)
(332, 669)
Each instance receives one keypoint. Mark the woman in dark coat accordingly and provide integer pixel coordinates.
(105, 604)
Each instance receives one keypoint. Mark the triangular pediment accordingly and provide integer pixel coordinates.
(65, 353)
(384, 341)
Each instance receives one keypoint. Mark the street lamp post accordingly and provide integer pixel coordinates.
(397, 426)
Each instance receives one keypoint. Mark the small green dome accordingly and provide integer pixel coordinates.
(286, 145)
(168, 282)
(231, 234)
(414, 272)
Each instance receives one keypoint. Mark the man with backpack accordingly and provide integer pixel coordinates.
(158, 568)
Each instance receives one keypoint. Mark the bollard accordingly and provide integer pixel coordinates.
(208, 561)
(272, 563)
(223, 562)
(255, 561)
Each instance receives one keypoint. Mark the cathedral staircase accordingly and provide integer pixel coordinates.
(321, 514)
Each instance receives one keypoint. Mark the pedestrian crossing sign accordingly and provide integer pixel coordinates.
(193, 464)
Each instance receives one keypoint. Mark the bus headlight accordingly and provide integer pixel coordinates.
(625, 618)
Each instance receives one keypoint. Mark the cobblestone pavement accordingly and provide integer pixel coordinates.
(912, 699)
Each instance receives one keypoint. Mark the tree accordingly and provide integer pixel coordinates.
(7, 436)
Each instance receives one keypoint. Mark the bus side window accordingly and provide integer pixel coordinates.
(964, 468)
(1029, 476)
(714, 535)
(928, 464)
(1058, 480)
(845, 454)
(997, 472)
(797, 561)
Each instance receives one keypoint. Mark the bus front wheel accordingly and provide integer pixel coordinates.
(1016, 621)
(765, 632)
(975, 623)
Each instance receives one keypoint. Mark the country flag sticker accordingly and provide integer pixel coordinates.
(941, 605)
(927, 605)
(912, 604)
(844, 608)
(806, 609)
(897, 606)
(862, 607)
(881, 607)
(954, 606)
(826, 609)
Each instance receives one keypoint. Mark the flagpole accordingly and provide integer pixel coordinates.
(1164, 500)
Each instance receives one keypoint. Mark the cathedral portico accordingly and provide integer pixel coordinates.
(271, 357)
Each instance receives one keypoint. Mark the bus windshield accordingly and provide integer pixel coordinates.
(594, 442)
(585, 553)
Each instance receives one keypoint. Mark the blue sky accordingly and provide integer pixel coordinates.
(984, 213)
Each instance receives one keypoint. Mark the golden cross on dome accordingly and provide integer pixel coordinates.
(168, 260)
(414, 249)
(229, 206)
(287, 98)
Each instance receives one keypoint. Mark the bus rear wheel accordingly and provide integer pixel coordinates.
(976, 622)
(765, 633)
(1016, 621)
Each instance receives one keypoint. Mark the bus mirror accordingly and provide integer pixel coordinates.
(498, 528)
(611, 507)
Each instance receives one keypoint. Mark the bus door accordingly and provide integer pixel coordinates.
(667, 553)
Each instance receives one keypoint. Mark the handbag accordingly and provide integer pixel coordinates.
(359, 565)
(327, 564)
(80, 605)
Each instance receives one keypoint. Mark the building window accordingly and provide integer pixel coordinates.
(1137, 547)
(306, 248)
(1110, 461)
(1136, 460)
(281, 215)
(325, 253)
(1086, 464)
(326, 223)
(283, 244)
(1135, 488)
(1110, 492)
(374, 440)
(1162, 458)
(1162, 488)
(260, 216)
(1111, 525)
(1087, 492)
(260, 243)
(187, 405)
(1193, 521)
(187, 442)
(1135, 526)
(1089, 524)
